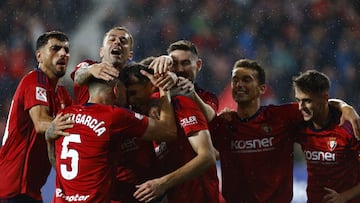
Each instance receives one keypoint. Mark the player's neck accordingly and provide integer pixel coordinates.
(118, 66)
(101, 100)
(321, 120)
(247, 109)
(53, 80)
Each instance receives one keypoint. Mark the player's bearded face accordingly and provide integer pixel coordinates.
(116, 48)
(139, 97)
(184, 64)
(55, 57)
(245, 87)
(310, 105)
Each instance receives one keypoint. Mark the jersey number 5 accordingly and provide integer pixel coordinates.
(70, 153)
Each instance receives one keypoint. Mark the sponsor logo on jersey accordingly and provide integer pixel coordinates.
(41, 94)
(188, 121)
(253, 145)
(319, 156)
(332, 143)
(70, 198)
(161, 150)
(129, 144)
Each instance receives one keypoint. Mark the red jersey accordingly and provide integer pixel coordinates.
(256, 154)
(331, 158)
(81, 93)
(84, 160)
(24, 165)
(173, 155)
(136, 165)
(208, 97)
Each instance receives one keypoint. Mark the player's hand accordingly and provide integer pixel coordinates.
(166, 81)
(333, 197)
(161, 64)
(349, 114)
(154, 112)
(185, 84)
(58, 125)
(104, 71)
(150, 190)
(183, 87)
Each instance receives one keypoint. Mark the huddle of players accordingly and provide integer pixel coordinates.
(254, 143)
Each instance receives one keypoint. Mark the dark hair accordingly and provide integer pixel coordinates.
(110, 83)
(183, 45)
(131, 74)
(122, 29)
(253, 65)
(44, 38)
(146, 61)
(312, 81)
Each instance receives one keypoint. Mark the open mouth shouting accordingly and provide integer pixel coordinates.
(116, 52)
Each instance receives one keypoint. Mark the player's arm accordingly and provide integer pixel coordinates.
(201, 143)
(207, 110)
(333, 196)
(165, 128)
(161, 64)
(40, 117)
(55, 130)
(102, 70)
(188, 86)
(349, 114)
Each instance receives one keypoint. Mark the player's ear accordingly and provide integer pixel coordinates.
(325, 96)
(199, 64)
(101, 51)
(131, 55)
(38, 56)
(116, 90)
(262, 88)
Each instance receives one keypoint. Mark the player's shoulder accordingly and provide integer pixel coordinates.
(34, 77)
(205, 93)
(182, 100)
(83, 64)
(286, 107)
(86, 62)
(226, 115)
(98, 111)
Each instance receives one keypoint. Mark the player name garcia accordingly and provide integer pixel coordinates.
(97, 126)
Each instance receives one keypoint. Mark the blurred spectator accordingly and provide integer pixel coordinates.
(22, 21)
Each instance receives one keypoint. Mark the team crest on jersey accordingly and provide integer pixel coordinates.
(41, 94)
(139, 116)
(83, 65)
(332, 143)
(266, 128)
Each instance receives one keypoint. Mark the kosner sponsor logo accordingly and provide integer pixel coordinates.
(319, 156)
(253, 145)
